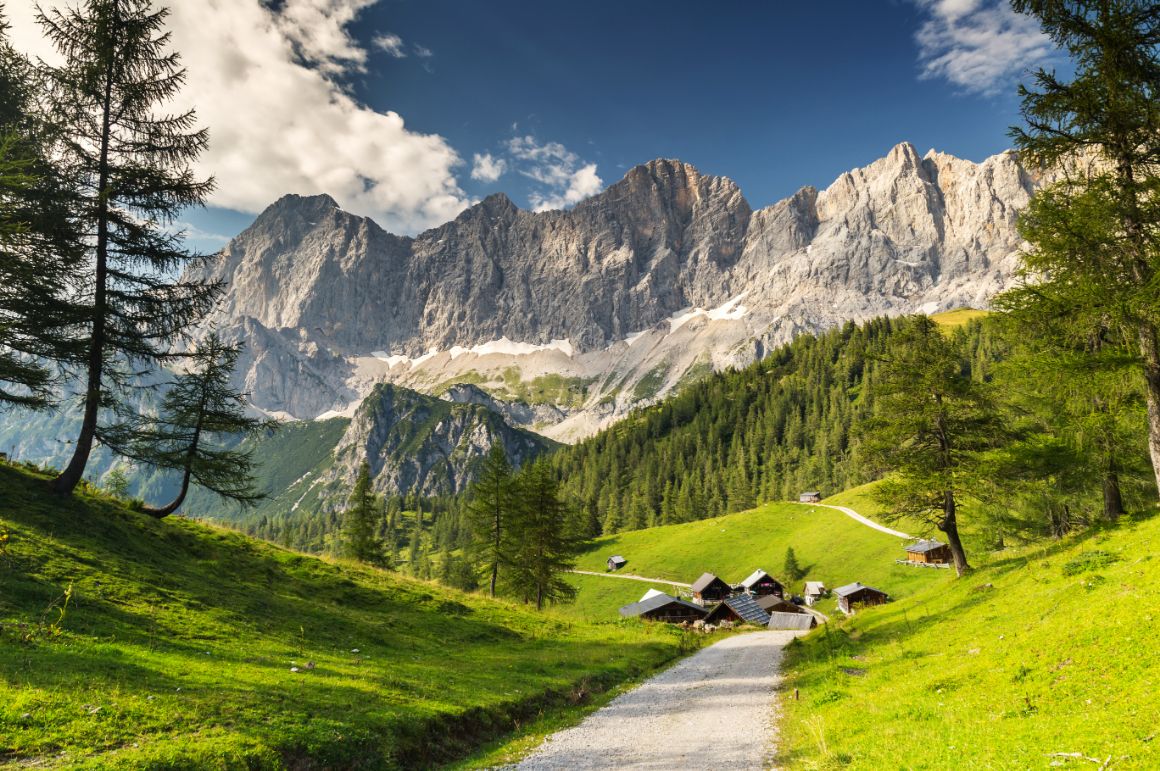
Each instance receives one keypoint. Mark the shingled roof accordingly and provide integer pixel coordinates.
(857, 586)
(702, 583)
(924, 545)
(792, 621)
(754, 577)
(655, 602)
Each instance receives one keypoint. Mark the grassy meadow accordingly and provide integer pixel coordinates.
(136, 643)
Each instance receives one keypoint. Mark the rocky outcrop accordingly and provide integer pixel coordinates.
(665, 274)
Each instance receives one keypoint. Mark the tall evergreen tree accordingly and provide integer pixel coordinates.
(128, 161)
(198, 411)
(1095, 234)
(489, 514)
(359, 521)
(544, 549)
(793, 569)
(932, 420)
(39, 256)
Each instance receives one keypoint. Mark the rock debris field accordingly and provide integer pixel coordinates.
(715, 709)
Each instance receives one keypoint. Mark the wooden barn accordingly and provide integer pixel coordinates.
(856, 595)
(616, 562)
(762, 584)
(740, 608)
(710, 588)
(774, 604)
(812, 496)
(814, 591)
(926, 552)
(792, 621)
(664, 607)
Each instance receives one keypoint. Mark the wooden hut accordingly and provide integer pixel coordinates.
(856, 595)
(664, 607)
(616, 562)
(710, 588)
(926, 552)
(774, 604)
(814, 591)
(813, 496)
(740, 608)
(762, 584)
(792, 621)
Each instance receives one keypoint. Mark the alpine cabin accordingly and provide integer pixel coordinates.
(710, 588)
(858, 595)
(814, 591)
(664, 607)
(616, 562)
(926, 552)
(810, 497)
(762, 584)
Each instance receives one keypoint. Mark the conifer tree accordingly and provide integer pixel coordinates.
(489, 514)
(931, 422)
(359, 521)
(1095, 234)
(793, 569)
(544, 550)
(127, 160)
(199, 412)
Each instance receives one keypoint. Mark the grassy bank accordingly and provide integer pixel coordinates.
(136, 643)
(1047, 649)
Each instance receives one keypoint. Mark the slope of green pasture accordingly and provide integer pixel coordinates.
(832, 548)
(958, 317)
(129, 642)
(1048, 649)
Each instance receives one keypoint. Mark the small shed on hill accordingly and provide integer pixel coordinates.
(855, 595)
(664, 607)
(762, 584)
(773, 604)
(616, 562)
(710, 588)
(792, 621)
(813, 496)
(927, 552)
(739, 607)
(814, 591)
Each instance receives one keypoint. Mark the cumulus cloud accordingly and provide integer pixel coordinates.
(391, 43)
(981, 46)
(563, 177)
(487, 168)
(271, 90)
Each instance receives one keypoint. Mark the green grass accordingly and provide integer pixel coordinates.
(650, 385)
(834, 548)
(958, 317)
(134, 643)
(1051, 648)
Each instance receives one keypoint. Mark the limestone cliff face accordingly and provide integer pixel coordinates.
(665, 274)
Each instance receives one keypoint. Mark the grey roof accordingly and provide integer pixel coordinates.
(744, 606)
(811, 492)
(791, 621)
(654, 603)
(703, 582)
(815, 586)
(924, 545)
(773, 601)
(857, 586)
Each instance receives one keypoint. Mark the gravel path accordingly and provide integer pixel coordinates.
(631, 577)
(858, 517)
(715, 709)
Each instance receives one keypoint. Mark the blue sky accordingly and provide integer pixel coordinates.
(410, 110)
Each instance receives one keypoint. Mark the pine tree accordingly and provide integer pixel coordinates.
(39, 257)
(128, 163)
(1095, 234)
(489, 514)
(360, 520)
(793, 569)
(199, 411)
(931, 422)
(544, 549)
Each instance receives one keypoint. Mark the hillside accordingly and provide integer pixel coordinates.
(139, 643)
(831, 546)
(1047, 649)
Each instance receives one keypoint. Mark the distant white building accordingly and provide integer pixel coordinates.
(814, 591)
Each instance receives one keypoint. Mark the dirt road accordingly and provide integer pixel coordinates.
(715, 709)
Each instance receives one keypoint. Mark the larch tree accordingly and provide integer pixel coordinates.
(128, 162)
(930, 423)
(489, 514)
(1095, 232)
(544, 547)
(201, 413)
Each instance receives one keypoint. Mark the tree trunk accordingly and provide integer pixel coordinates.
(950, 527)
(1150, 355)
(68, 479)
(1113, 500)
(495, 556)
(169, 508)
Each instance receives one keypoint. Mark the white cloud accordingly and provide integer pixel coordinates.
(981, 46)
(281, 121)
(390, 43)
(487, 168)
(564, 178)
(423, 52)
